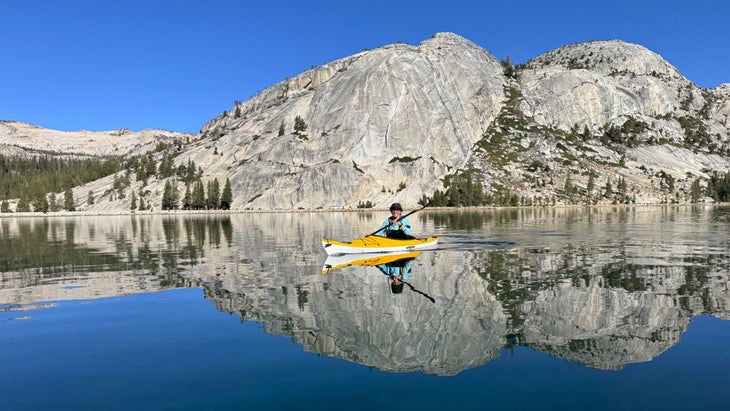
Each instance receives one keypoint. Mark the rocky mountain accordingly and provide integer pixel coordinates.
(24, 139)
(596, 122)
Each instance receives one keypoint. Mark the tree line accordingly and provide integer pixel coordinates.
(21, 176)
(465, 190)
(718, 188)
(195, 197)
(30, 179)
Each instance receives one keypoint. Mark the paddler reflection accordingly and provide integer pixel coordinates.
(397, 272)
(396, 267)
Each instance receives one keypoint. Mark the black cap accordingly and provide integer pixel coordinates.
(396, 206)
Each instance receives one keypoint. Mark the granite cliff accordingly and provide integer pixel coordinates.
(596, 122)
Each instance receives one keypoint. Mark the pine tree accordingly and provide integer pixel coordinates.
(133, 201)
(175, 195)
(189, 171)
(167, 167)
(68, 200)
(187, 198)
(198, 196)
(281, 129)
(5, 207)
(622, 190)
(23, 205)
(52, 203)
(40, 203)
(170, 196)
(166, 196)
(299, 125)
(227, 196)
(711, 191)
(568, 187)
(150, 166)
(621, 185)
(586, 133)
(90, 197)
(696, 191)
(214, 194)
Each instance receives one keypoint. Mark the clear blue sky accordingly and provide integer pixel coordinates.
(109, 64)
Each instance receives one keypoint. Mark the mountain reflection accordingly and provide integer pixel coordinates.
(604, 290)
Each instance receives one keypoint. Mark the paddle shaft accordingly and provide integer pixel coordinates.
(400, 218)
(433, 300)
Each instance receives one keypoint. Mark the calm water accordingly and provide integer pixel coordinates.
(516, 309)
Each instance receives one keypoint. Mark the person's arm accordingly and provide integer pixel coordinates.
(406, 226)
(384, 227)
(407, 271)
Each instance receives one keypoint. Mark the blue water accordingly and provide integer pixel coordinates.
(173, 350)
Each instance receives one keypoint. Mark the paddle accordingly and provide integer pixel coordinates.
(401, 217)
(419, 292)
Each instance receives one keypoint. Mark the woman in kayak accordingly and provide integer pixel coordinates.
(395, 226)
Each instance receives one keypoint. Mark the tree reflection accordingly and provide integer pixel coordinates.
(458, 220)
(42, 250)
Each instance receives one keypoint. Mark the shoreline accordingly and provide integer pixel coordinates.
(339, 210)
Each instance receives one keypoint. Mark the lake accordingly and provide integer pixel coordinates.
(552, 308)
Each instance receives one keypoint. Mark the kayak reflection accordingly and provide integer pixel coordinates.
(394, 260)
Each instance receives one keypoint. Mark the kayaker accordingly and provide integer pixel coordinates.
(395, 226)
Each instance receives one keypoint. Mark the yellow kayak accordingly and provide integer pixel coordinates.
(347, 260)
(377, 244)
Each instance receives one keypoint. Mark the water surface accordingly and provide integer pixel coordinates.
(610, 308)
